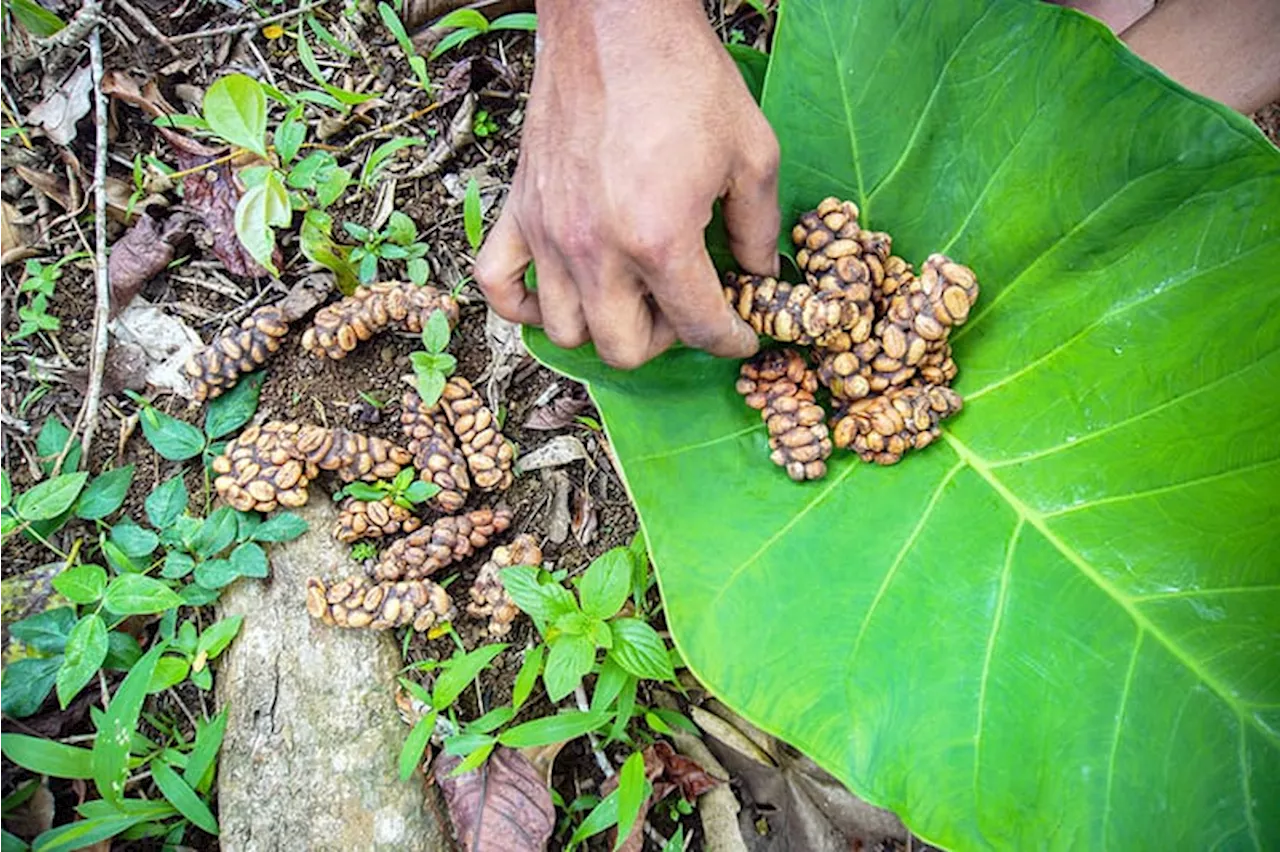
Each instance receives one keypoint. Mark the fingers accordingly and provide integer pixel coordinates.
(627, 328)
(751, 205)
(560, 302)
(689, 294)
(499, 271)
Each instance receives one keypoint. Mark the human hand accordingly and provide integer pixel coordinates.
(638, 120)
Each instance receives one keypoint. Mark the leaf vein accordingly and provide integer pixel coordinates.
(1115, 738)
(997, 618)
(1163, 489)
(701, 445)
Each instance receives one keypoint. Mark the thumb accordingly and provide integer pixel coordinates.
(500, 268)
(751, 213)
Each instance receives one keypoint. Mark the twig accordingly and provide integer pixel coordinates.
(150, 28)
(399, 122)
(102, 286)
(580, 695)
(72, 35)
(247, 25)
(185, 710)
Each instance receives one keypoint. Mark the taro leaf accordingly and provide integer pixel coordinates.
(504, 803)
(1056, 627)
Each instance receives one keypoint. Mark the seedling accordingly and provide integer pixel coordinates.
(40, 280)
(468, 23)
(363, 550)
(483, 125)
(473, 215)
(434, 365)
(406, 490)
(419, 65)
(397, 241)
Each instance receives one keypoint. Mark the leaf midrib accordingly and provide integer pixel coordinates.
(1144, 624)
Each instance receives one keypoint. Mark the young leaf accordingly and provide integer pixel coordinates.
(602, 816)
(400, 229)
(134, 541)
(459, 672)
(284, 526)
(569, 659)
(415, 745)
(527, 676)
(138, 594)
(217, 636)
(166, 503)
(82, 584)
(111, 748)
(252, 222)
(382, 153)
(216, 532)
(544, 602)
(516, 21)
(170, 671)
(609, 684)
(205, 752)
(171, 438)
(604, 587)
(631, 795)
(435, 334)
(249, 560)
(236, 109)
(27, 683)
(46, 757)
(472, 215)
(86, 833)
(53, 436)
(6, 490)
(104, 494)
(51, 497)
(47, 631)
(639, 649)
(452, 40)
(491, 721)
(420, 492)
(466, 742)
(552, 729)
(182, 797)
(475, 759)
(430, 386)
(233, 409)
(463, 18)
(290, 135)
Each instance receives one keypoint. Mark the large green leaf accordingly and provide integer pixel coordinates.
(1059, 626)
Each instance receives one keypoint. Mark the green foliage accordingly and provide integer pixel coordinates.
(419, 65)
(472, 215)
(576, 628)
(363, 550)
(406, 490)
(235, 108)
(39, 281)
(433, 365)
(466, 24)
(1091, 544)
(36, 19)
(342, 96)
(316, 242)
(483, 125)
(398, 241)
(379, 156)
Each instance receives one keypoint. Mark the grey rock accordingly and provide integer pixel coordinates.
(313, 733)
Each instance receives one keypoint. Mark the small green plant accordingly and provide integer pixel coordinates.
(483, 126)
(433, 365)
(406, 490)
(363, 550)
(473, 215)
(34, 18)
(379, 156)
(466, 24)
(398, 241)
(419, 65)
(40, 280)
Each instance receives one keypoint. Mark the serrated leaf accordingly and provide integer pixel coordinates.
(167, 503)
(1091, 542)
(233, 409)
(545, 602)
(104, 494)
(50, 498)
(82, 584)
(171, 438)
(236, 109)
(435, 334)
(138, 594)
(569, 658)
(639, 649)
(605, 584)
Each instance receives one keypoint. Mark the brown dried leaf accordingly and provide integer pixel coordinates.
(456, 83)
(559, 451)
(585, 521)
(47, 184)
(13, 235)
(143, 251)
(303, 297)
(558, 414)
(59, 112)
(682, 771)
(503, 806)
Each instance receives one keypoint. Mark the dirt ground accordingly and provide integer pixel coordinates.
(578, 511)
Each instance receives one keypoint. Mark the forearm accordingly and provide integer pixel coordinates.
(1223, 49)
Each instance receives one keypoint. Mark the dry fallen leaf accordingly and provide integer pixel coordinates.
(558, 414)
(59, 112)
(166, 340)
(503, 806)
(557, 482)
(560, 450)
(585, 521)
(143, 251)
(667, 770)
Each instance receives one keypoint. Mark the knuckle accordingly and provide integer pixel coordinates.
(652, 246)
(577, 237)
(763, 157)
(622, 357)
(567, 338)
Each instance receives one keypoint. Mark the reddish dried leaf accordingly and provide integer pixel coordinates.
(585, 521)
(456, 83)
(143, 251)
(682, 771)
(558, 414)
(503, 806)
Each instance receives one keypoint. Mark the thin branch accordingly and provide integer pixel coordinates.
(102, 285)
(247, 25)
